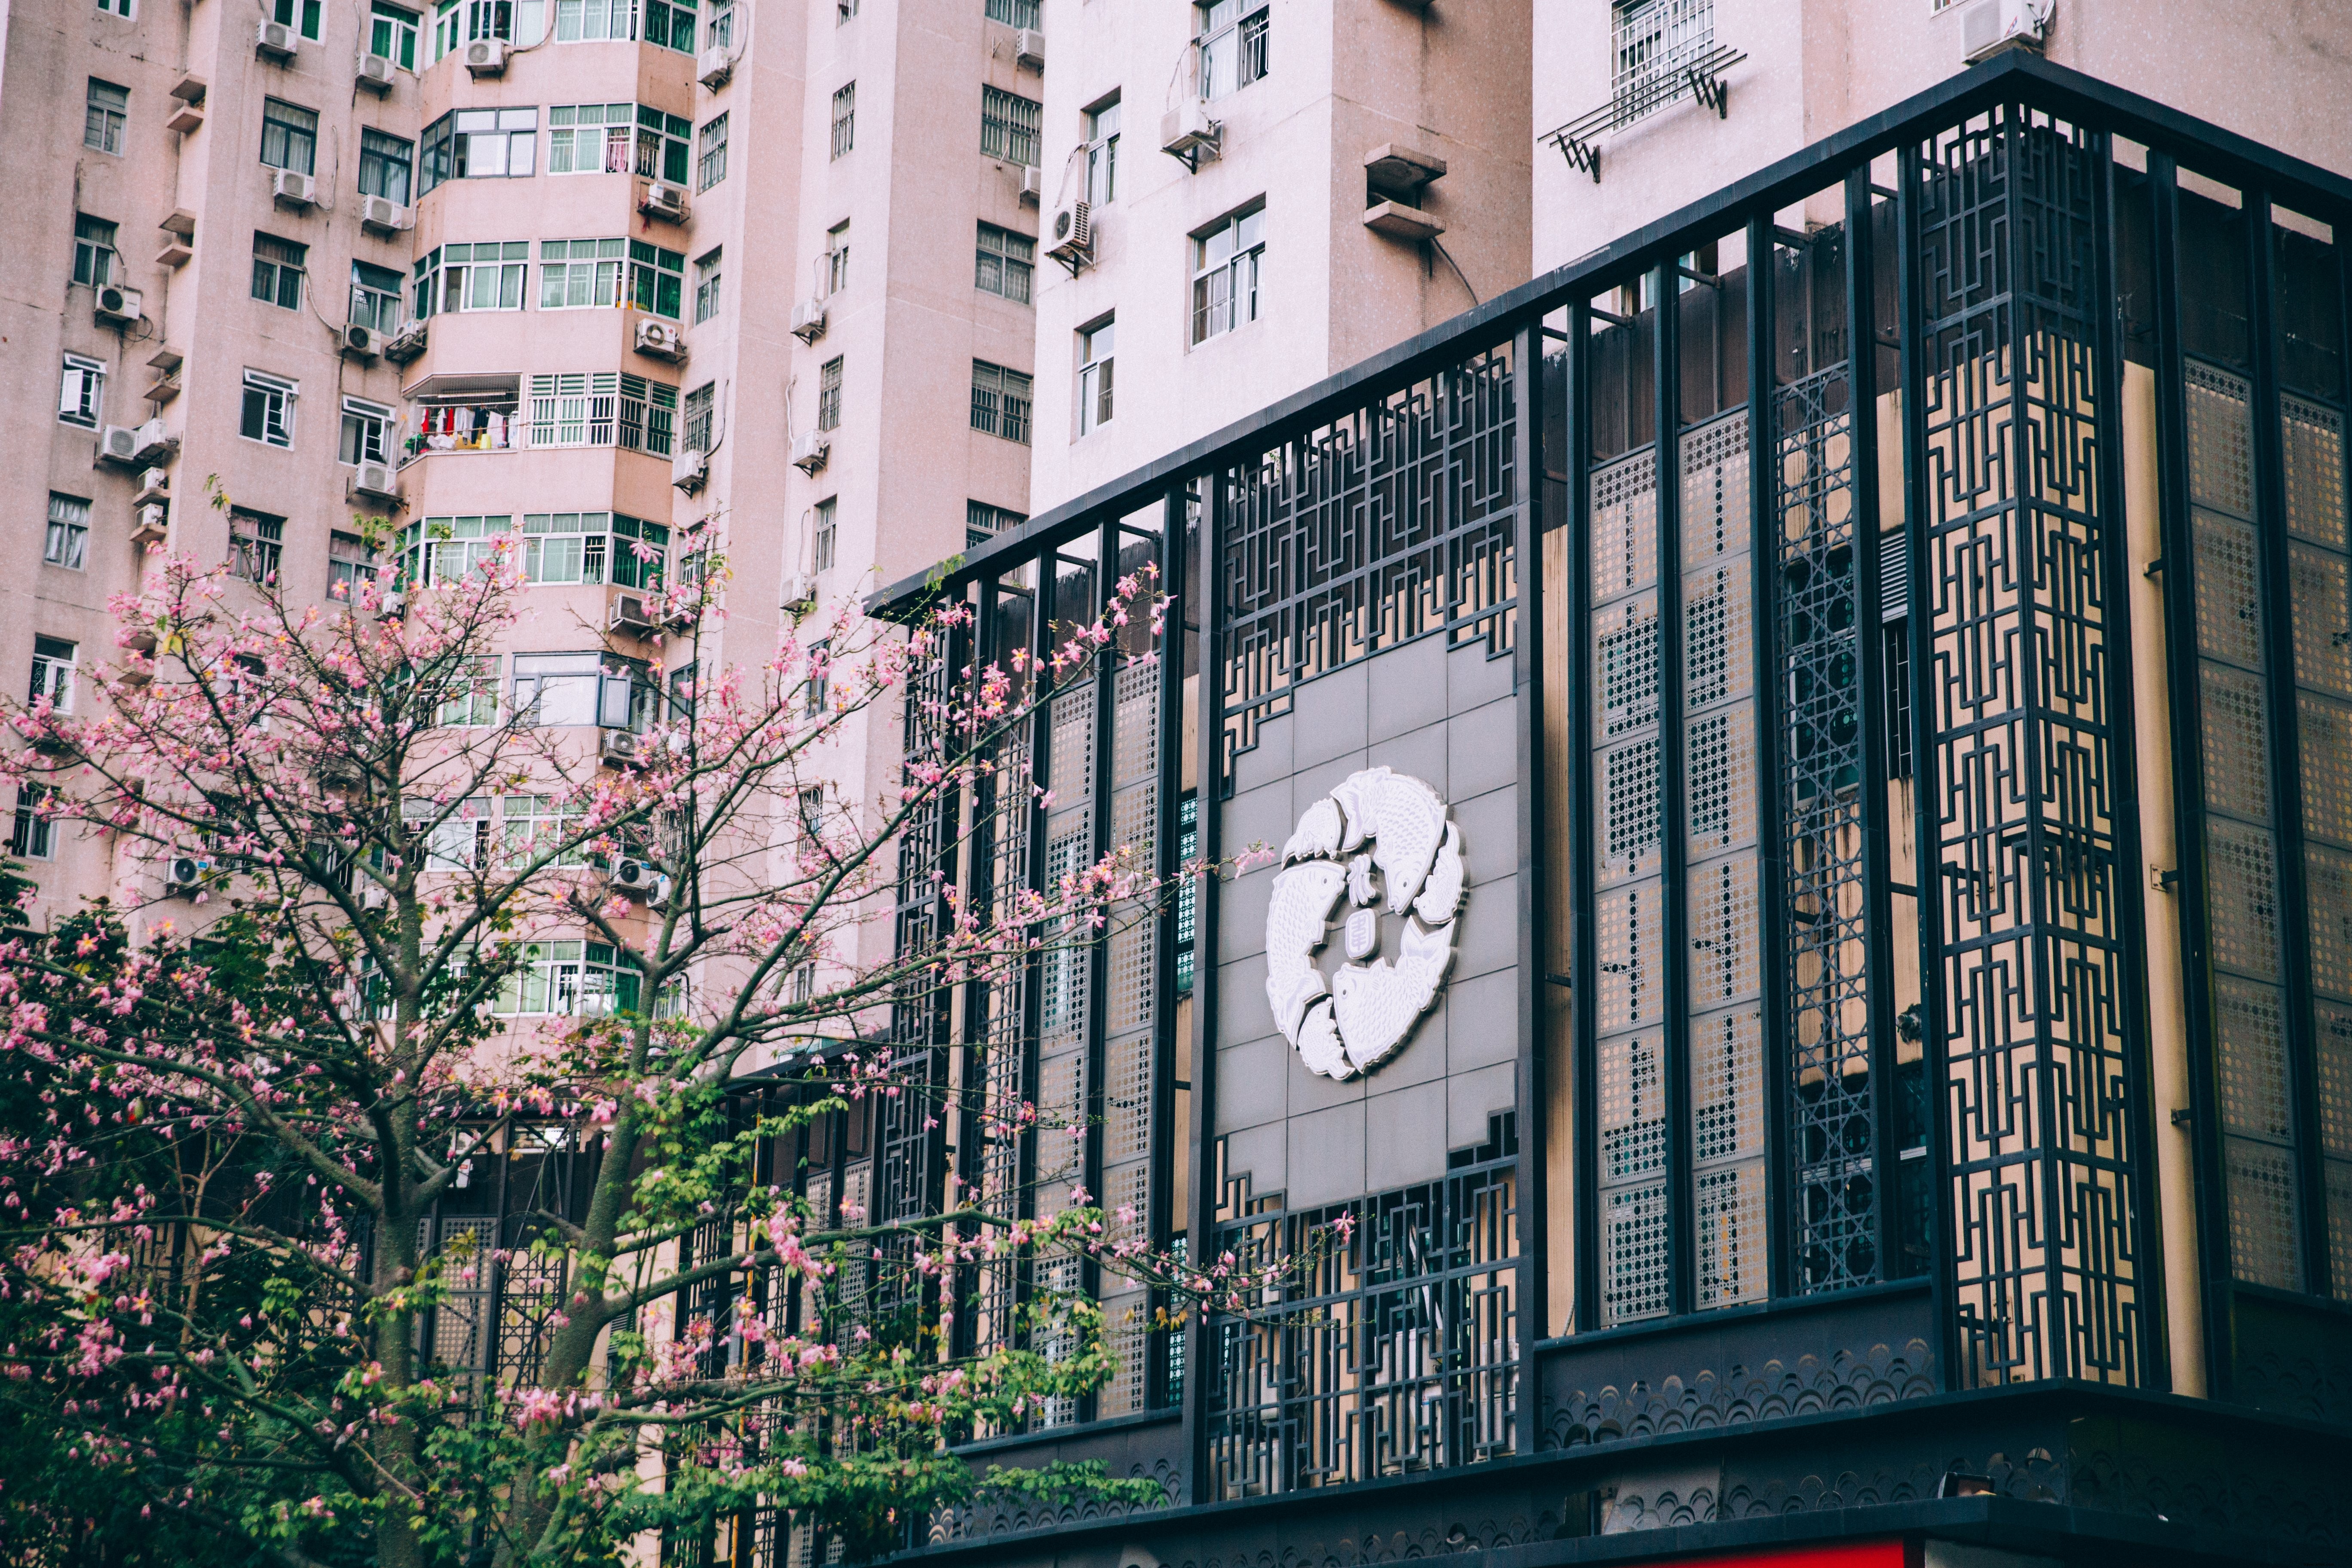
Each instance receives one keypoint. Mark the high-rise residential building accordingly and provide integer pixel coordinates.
(482, 267)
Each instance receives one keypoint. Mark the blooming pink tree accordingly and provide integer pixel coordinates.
(386, 926)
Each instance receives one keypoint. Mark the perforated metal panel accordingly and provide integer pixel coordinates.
(2324, 742)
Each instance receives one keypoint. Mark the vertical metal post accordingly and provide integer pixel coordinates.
(1528, 547)
(1201, 1375)
(1772, 786)
(1167, 1206)
(1674, 839)
(1584, 972)
(1098, 840)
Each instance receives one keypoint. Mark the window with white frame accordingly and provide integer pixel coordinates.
(444, 549)
(106, 112)
(93, 250)
(1231, 38)
(375, 298)
(277, 269)
(720, 32)
(350, 564)
(657, 280)
(67, 543)
(302, 14)
(577, 690)
(81, 393)
(562, 547)
(844, 119)
(982, 522)
(367, 431)
(1653, 43)
(578, 274)
(268, 413)
(816, 684)
(1095, 367)
(289, 136)
(483, 276)
(828, 395)
(1014, 13)
(664, 148)
(568, 978)
(457, 841)
(1102, 152)
(999, 401)
(391, 33)
(601, 409)
(834, 268)
(457, 23)
(823, 540)
(711, 168)
(591, 138)
(256, 542)
(671, 24)
(478, 144)
(538, 824)
(707, 282)
(468, 688)
(1008, 126)
(701, 411)
(1225, 265)
(35, 834)
(593, 21)
(1006, 264)
(115, 8)
(387, 163)
(53, 673)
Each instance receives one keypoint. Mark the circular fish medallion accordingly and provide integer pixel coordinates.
(1380, 841)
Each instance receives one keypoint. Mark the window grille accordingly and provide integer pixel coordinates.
(1231, 43)
(999, 401)
(256, 543)
(1014, 13)
(982, 522)
(844, 119)
(1654, 41)
(1006, 263)
(1008, 126)
(828, 395)
(713, 168)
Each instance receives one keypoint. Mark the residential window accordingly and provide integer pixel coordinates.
(713, 165)
(577, 689)
(68, 541)
(706, 280)
(603, 409)
(469, 692)
(269, 414)
(1231, 38)
(480, 419)
(1095, 365)
(484, 276)
(36, 835)
(999, 401)
(589, 21)
(815, 686)
(1653, 43)
(53, 673)
(657, 280)
(375, 298)
(1102, 154)
(982, 522)
(386, 166)
(720, 33)
(834, 267)
(591, 138)
(844, 119)
(115, 8)
(670, 23)
(301, 14)
(591, 547)
(568, 978)
(350, 564)
(828, 395)
(701, 405)
(828, 514)
(457, 840)
(1008, 126)
(1015, 12)
(82, 392)
(479, 144)
(843, 11)
(108, 107)
(578, 274)
(536, 823)
(93, 250)
(1225, 274)
(1006, 263)
(277, 268)
(664, 145)
(682, 681)
(289, 136)
(444, 549)
(256, 543)
(391, 33)
(367, 431)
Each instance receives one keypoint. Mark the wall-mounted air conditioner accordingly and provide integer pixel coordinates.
(714, 65)
(660, 339)
(184, 874)
(690, 470)
(116, 303)
(151, 443)
(1029, 49)
(628, 613)
(277, 41)
(667, 203)
(386, 215)
(118, 443)
(488, 57)
(617, 748)
(290, 187)
(808, 320)
(361, 342)
(1989, 26)
(634, 877)
(799, 592)
(405, 344)
(810, 451)
(1186, 132)
(148, 523)
(1033, 186)
(1070, 233)
(154, 485)
(375, 481)
(374, 73)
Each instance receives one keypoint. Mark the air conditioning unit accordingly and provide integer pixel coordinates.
(1989, 26)
(667, 203)
(375, 73)
(386, 215)
(361, 342)
(184, 874)
(1070, 233)
(149, 523)
(618, 748)
(714, 65)
(116, 303)
(662, 340)
(376, 482)
(118, 443)
(1033, 186)
(375, 897)
(393, 605)
(663, 890)
(293, 188)
(627, 613)
(808, 320)
(1186, 132)
(154, 485)
(406, 343)
(277, 39)
(810, 451)
(799, 592)
(631, 875)
(1029, 49)
(488, 57)
(151, 443)
(690, 470)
